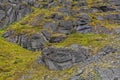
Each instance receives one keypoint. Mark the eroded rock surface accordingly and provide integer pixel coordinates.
(14, 10)
(63, 58)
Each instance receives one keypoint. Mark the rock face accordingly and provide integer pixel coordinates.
(33, 42)
(14, 10)
(36, 42)
(64, 58)
(60, 58)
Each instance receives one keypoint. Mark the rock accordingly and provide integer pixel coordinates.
(103, 8)
(37, 5)
(40, 60)
(109, 74)
(2, 14)
(100, 18)
(49, 1)
(56, 16)
(57, 59)
(76, 78)
(75, 46)
(57, 39)
(55, 79)
(82, 3)
(47, 35)
(82, 20)
(53, 4)
(7, 34)
(37, 20)
(84, 29)
(65, 11)
(63, 31)
(51, 26)
(35, 42)
(14, 10)
(81, 55)
(107, 49)
(101, 29)
(65, 27)
(113, 17)
(63, 58)
(117, 30)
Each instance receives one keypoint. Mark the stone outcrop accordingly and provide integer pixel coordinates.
(35, 42)
(14, 10)
(63, 58)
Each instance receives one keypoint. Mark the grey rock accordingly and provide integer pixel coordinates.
(57, 39)
(51, 26)
(113, 17)
(108, 49)
(76, 78)
(109, 74)
(35, 42)
(14, 10)
(101, 29)
(47, 35)
(82, 20)
(2, 14)
(7, 34)
(49, 1)
(37, 20)
(100, 18)
(67, 25)
(84, 29)
(103, 8)
(63, 58)
(56, 16)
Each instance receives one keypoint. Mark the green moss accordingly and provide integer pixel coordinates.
(84, 39)
(14, 60)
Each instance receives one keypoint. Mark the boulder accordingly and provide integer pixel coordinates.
(101, 29)
(103, 8)
(57, 59)
(8, 33)
(57, 39)
(51, 26)
(107, 49)
(65, 27)
(84, 29)
(37, 20)
(113, 17)
(82, 20)
(63, 58)
(14, 10)
(56, 16)
(35, 42)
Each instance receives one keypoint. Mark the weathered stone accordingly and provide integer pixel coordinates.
(103, 8)
(7, 34)
(65, 27)
(113, 17)
(51, 26)
(108, 49)
(14, 10)
(84, 29)
(101, 29)
(63, 58)
(37, 20)
(57, 39)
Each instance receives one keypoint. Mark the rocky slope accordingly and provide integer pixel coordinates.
(77, 39)
(14, 10)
